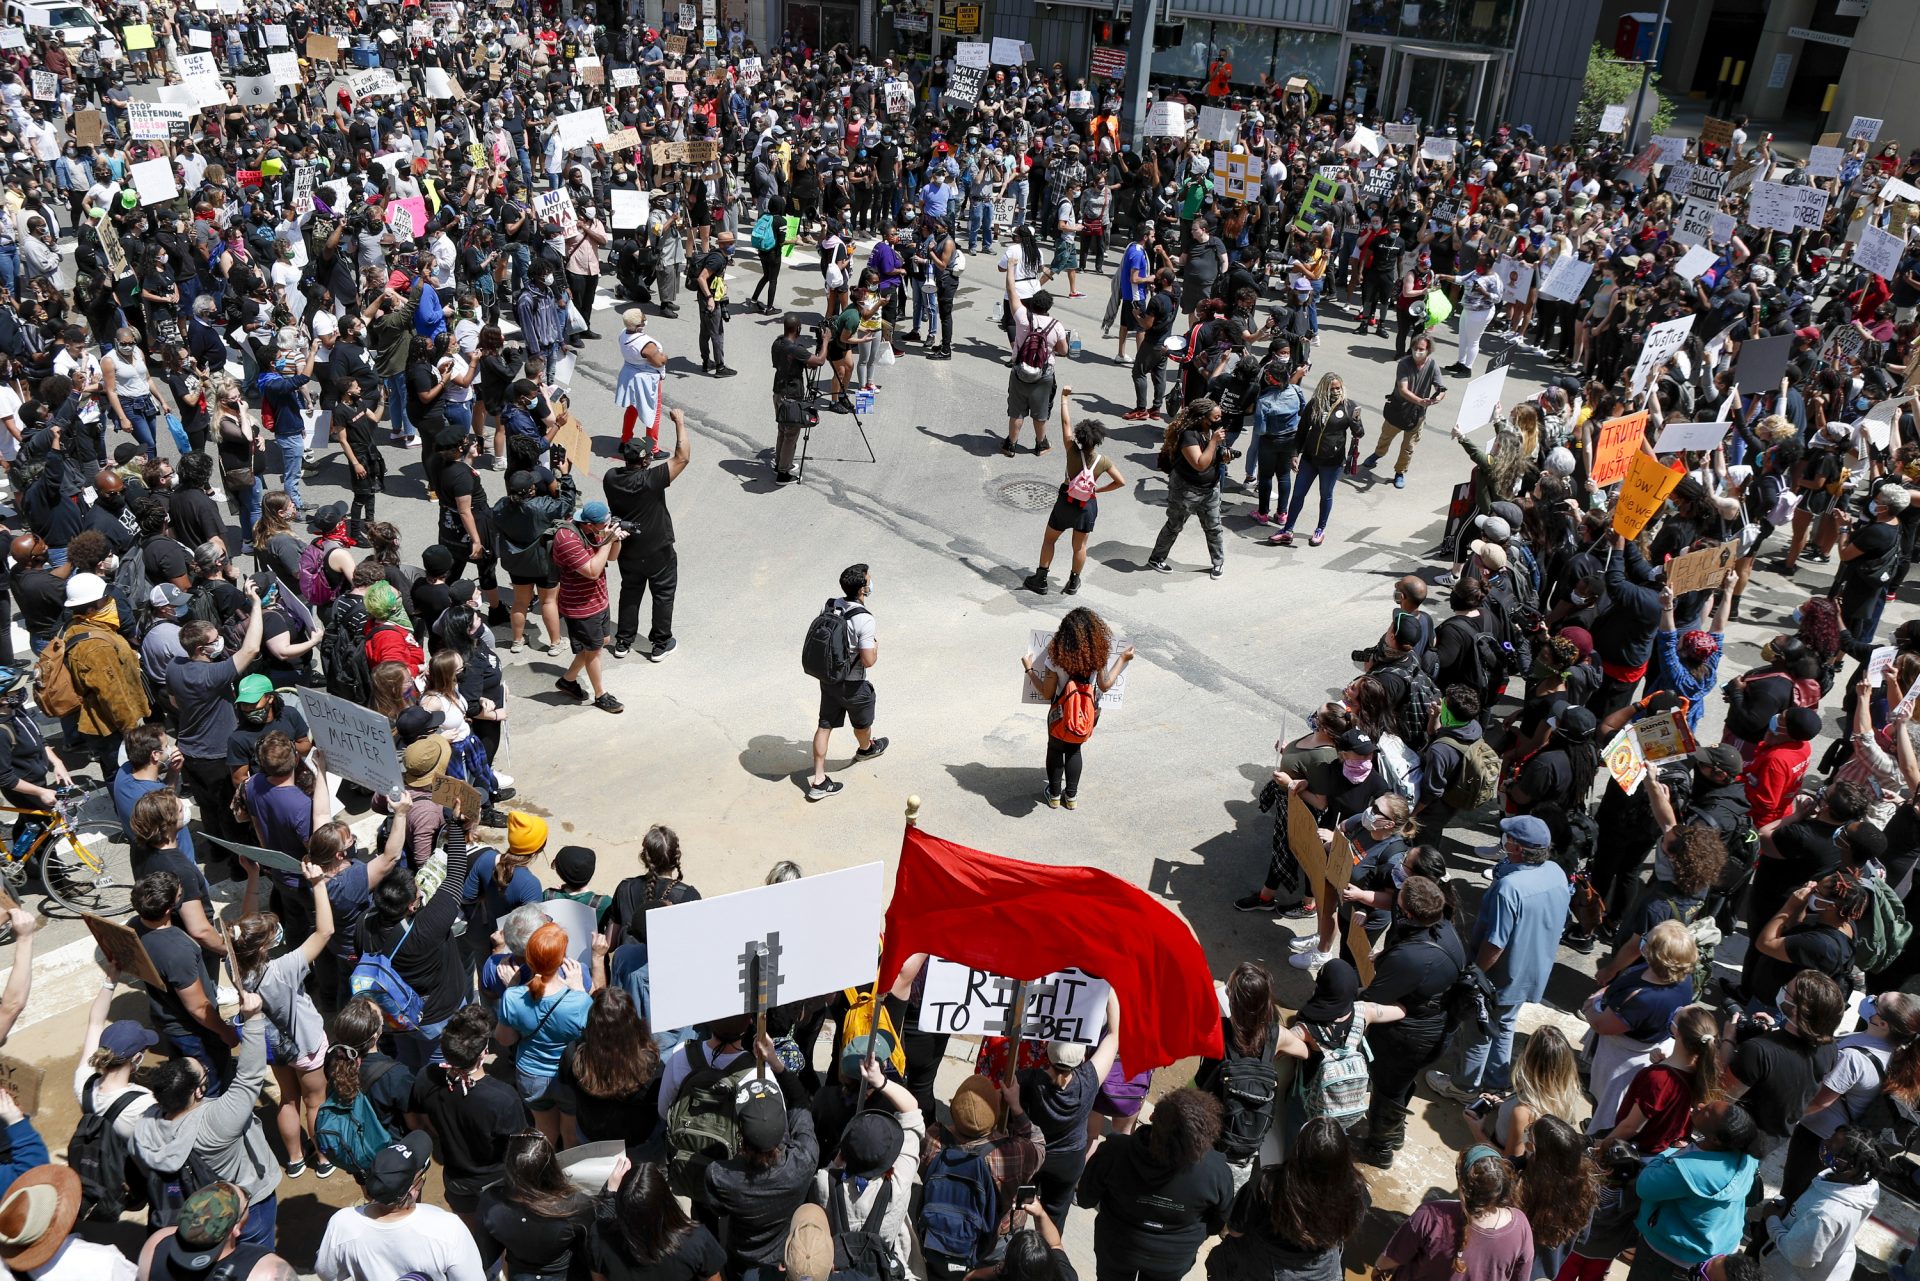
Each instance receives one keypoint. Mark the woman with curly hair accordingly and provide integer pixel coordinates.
(610, 1078)
(1159, 1192)
(1686, 866)
(1558, 1191)
(1482, 1233)
(1294, 1220)
(1072, 675)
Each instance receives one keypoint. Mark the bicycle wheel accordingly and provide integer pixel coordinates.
(99, 882)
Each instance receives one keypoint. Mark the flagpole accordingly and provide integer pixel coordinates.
(873, 1038)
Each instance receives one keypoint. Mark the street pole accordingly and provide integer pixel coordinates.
(1133, 110)
(1646, 75)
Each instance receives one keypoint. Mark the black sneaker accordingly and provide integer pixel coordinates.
(492, 817)
(573, 689)
(608, 703)
(878, 748)
(1159, 567)
(784, 478)
(1036, 582)
(1581, 943)
(505, 793)
(724, 372)
(1254, 903)
(823, 789)
(1374, 1155)
(658, 654)
(620, 649)
(1073, 584)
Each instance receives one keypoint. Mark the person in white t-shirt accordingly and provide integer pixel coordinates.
(393, 1233)
(9, 412)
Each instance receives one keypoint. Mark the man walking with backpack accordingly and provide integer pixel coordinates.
(1037, 339)
(842, 643)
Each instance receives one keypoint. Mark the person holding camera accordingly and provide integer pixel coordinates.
(580, 552)
(1774, 1065)
(791, 360)
(1191, 454)
(637, 498)
(1870, 560)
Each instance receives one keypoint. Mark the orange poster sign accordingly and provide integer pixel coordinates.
(1614, 447)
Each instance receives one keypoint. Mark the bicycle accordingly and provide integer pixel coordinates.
(85, 860)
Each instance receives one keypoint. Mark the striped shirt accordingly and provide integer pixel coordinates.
(580, 596)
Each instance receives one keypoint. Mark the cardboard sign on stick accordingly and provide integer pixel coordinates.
(123, 947)
(961, 1001)
(1618, 441)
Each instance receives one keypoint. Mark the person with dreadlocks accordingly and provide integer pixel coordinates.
(1560, 772)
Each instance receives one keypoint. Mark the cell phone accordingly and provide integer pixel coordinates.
(1026, 1192)
(1480, 1107)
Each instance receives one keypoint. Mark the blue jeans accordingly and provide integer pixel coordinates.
(142, 425)
(397, 405)
(980, 224)
(522, 256)
(1486, 1062)
(261, 1219)
(215, 1056)
(458, 413)
(292, 451)
(248, 500)
(1327, 476)
(1018, 192)
(10, 266)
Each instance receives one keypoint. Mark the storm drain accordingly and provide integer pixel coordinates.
(1026, 495)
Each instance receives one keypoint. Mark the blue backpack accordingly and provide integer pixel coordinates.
(349, 1134)
(375, 978)
(960, 1210)
(763, 233)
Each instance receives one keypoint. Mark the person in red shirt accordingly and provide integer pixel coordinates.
(1773, 780)
(390, 631)
(1659, 1103)
(580, 553)
(1218, 76)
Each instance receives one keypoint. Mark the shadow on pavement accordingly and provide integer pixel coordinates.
(1014, 790)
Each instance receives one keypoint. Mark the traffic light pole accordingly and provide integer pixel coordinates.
(1133, 110)
(1646, 75)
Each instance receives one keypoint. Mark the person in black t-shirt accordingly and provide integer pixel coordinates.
(533, 1220)
(1407, 1022)
(648, 1237)
(472, 1115)
(637, 494)
(1870, 560)
(182, 1010)
(1774, 1067)
(708, 275)
(1156, 316)
(356, 423)
(1814, 931)
(791, 360)
(1191, 453)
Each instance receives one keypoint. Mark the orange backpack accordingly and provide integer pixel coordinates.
(1075, 710)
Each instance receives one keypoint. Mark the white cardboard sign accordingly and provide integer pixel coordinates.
(962, 1001)
(1662, 341)
(1482, 395)
(1695, 261)
(973, 53)
(822, 934)
(1566, 278)
(1824, 162)
(1878, 251)
(155, 182)
(1675, 437)
(357, 741)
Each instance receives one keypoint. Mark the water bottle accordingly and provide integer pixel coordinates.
(29, 833)
(1073, 344)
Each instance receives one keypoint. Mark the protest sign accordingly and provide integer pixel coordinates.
(1218, 124)
(1478, 402)
(1515, 276)
(1662, 341)
(437, 82)
(621, 140)
(555, 206)
(973, 53)
(1809, 207)
(958, 1000)
(1647, 485)
(899, 97)
(1626, 760)
(1613, 117)
(1824, 162)
(408, 217)
(1566, 278)
(592, 70)
(12, 38)
(1038, 641)
(323, 49)
(1006, 53)
(272, 860)
(629, 209)
(199, 38)
(256, 91)
(1167, 120)
(573, 438)
(1878, 251)
(154, 180)
(1303, 838)
(581, 128)
(1716, 133)
(1402, 135)
(88, 128)
(1705, 184)
(963, 86)
(1366, 139)
(137, 36)
(1770, 206)
(1878, 424)
(46, 86)
(1614, 448)
(1878, 662)
(357, 741)
(111, 249)
(1695, 262)
(1762, 361)
(1694, 223)
(580, 923)
(23, 1081)
(1664, 736)
(1676, 437)
(1437, 149)
(459, 796)
(1696, 571)
(819, 933)
(1321, 194)
(124, 950)
(284, 68)
(1867, 127)
(1669, 150)
(629, 77)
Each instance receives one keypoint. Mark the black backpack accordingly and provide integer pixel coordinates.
(110, 1179)
(828, 653)
(343, 657)
(863, 1250)
(1249, 1092)
(168, 1190)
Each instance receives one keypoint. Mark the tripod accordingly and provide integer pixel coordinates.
(815, 402)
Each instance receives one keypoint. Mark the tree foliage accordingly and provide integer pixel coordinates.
(1610, 80)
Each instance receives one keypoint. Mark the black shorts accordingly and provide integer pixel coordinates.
(852, 702)
(589, 633)
(545, 582)
(1070, 517)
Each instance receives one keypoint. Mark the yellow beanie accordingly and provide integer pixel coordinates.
(526, 833)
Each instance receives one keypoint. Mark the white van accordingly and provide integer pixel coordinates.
(75, 23)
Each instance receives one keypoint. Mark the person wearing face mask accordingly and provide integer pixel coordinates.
(1693, 1199)
(1419, 961)
(1773, 1063)
(201, 686)
(584, 240)
(260, 711)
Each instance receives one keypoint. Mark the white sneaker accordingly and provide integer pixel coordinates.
(1304, 943)
(1442, 1084)
(1311, 959)
(502, 778)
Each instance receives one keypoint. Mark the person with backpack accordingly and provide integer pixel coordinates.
(357, 1069)
(1630, 1015)
(1884, 1052)
(1060, 1095)
(111, 1104)
(1459, 769)
(209, 1242)
(192, 1136)
(1159, 1192)
(1247, 1079)
(524, 523)
(1078, 669)
(1077, 506)
(1333, 1082)
(1690, 860)
(1816, 929)
(419, 983)
(1871, 560)
(326, 561)
(91, 680)
(1037, 339)
(842, 643)
(971, 1174)
(1810, 1234)
(754, 1189)
(869, 1184)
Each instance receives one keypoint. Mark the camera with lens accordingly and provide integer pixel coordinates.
(627, 527)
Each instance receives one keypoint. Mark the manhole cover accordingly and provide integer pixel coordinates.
(1026, 495)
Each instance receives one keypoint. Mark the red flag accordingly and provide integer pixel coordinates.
(1026, 920)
